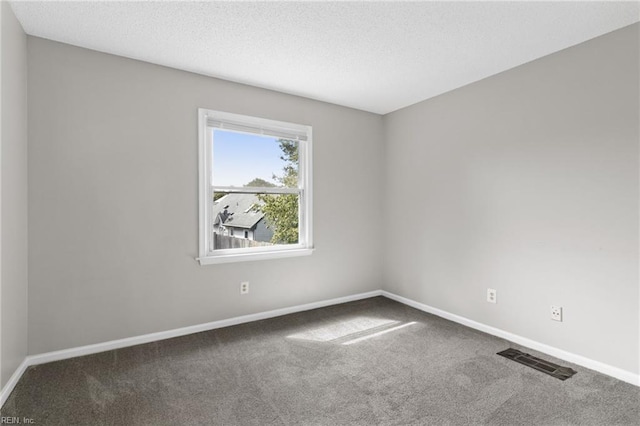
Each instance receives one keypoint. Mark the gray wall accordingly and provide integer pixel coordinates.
(13, 157)
(113, 201)
(526, 182)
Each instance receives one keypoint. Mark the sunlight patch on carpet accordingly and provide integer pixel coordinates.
(345, 330)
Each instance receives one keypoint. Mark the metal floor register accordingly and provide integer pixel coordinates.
(554, 370)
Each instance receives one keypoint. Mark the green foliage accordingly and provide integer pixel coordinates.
(290, 157)
(281, 211)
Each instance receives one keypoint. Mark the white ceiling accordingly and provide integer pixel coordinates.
(373, 56)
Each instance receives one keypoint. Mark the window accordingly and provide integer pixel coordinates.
(255, 175)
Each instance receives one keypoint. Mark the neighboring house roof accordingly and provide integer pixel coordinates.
(243, 208)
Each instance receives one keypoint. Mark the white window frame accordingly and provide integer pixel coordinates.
(207, 121)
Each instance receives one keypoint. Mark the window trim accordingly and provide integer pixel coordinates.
(256, 125)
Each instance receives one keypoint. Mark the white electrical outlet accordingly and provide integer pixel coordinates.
(492, 295)
(556, 313)
(244, 287)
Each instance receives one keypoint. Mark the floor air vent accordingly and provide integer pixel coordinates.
(554, 370)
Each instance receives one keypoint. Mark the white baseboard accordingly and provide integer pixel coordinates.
(13, 381)
(162, 335)
(618, 373)
(609, 370)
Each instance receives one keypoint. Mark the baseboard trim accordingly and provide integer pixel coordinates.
(618, 373)
(13, 381)
(162, 335)
(43, 358)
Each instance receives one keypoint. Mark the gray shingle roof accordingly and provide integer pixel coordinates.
(242, 207)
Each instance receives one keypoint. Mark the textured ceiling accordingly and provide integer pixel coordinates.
(374, 56)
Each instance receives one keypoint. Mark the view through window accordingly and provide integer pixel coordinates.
(258, 214)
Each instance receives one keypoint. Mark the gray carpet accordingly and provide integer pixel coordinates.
(372, 362)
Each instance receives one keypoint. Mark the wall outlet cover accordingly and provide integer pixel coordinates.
(492, 295)
(556, 313)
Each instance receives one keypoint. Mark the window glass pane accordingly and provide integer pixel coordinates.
(254, 220)
(242, 160)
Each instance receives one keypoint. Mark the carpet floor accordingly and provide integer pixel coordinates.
(371, 362)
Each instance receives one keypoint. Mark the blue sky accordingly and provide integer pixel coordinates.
(238, 158)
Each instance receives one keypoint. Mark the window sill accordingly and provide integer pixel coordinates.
(246, 257)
